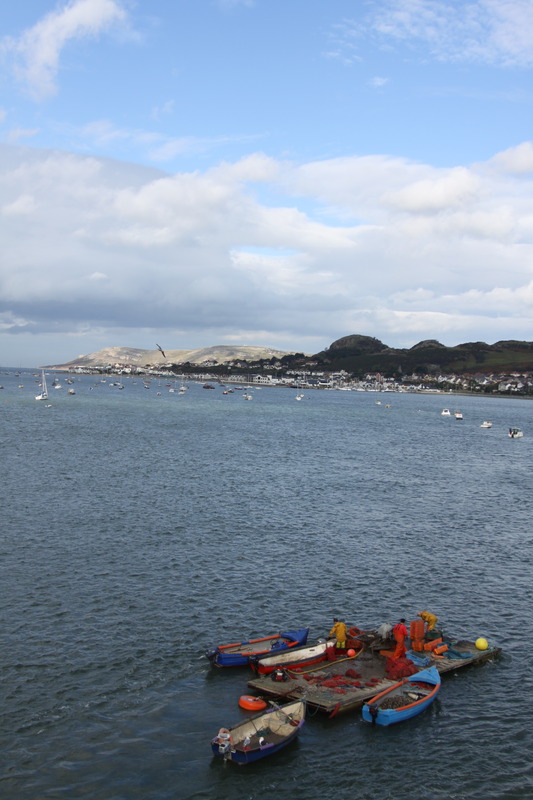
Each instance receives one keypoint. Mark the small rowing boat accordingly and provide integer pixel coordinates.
(239, 654)
(261, 735)
(404, 700)
(295, 658)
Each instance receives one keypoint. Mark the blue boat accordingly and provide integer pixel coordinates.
(239, 654)
(404, 700)
(261, 735)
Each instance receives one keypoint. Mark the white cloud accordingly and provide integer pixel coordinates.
(17, 134)
(377, 82)
(25, 204)
(485, 31)
(38, 49)
(517, 160)
(406, 249)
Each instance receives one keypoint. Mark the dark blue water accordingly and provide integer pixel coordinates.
(139, 527)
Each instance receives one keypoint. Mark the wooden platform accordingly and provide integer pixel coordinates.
(370, 666)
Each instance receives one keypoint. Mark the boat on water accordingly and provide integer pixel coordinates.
(406, 699)
(43, 394)
(239, 654)
(458, 414)
(515, 433)
(445, 412)
(295, 658)
(486, 424)
(260, 735)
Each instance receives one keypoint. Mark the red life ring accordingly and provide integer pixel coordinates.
(354, 632)
(252, 703)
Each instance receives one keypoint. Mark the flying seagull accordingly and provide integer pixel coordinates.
(160, 348)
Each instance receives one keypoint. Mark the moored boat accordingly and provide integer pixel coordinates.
(261, 735)
(458, 415)
(486, 424)
(294, 658)
(445, 412)
(406, 699)
(43, 395)
(515, 433)
(240, 653)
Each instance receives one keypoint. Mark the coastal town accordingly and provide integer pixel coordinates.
(516, 383)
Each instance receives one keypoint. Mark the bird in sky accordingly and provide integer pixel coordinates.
(161, 349)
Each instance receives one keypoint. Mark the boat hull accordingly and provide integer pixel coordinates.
(372, 712)
(240, 654)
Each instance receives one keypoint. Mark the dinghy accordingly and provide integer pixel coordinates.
(404, 700)
(239, 653)
(293, 658)
(261, 735)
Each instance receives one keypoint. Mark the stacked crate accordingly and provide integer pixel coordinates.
(417, 635)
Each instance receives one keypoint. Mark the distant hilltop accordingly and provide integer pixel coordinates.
(131, 356)
(354, 354)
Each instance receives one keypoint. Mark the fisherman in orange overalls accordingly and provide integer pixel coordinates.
(400, 634)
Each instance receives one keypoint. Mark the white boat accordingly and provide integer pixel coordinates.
(458, 415)
(486, 424)
(515, 433)
(445, 412)
(44, 391)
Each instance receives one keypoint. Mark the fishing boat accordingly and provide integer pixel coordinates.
(239, 654)
(516, 433)
(445, 412)
(458, 415)
(486, 424)
(404, 700)
(261, 735)
(294, 658)
(43, 395)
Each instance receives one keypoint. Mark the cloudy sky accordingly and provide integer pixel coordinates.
(263, 172)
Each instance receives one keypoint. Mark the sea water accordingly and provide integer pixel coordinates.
(140, 527)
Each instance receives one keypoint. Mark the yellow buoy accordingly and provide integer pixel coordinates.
(482, 644)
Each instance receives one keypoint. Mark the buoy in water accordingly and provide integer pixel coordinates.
(252, 703)
(482, 644)
(350, 653)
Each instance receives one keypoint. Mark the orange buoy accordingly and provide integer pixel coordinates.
(350, 653)
(251, 703)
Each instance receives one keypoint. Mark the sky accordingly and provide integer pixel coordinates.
(277, 173)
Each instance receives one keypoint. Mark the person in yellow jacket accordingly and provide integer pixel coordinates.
(339, 631)
(429, 618)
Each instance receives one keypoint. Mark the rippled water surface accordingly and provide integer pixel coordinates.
(140, 527)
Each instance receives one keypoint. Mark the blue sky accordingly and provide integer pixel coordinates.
(267, 172)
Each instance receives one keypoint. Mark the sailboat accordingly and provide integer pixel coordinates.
(44, 391)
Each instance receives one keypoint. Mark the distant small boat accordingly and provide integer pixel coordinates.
(43, 395)
(260, 735)
(458, 415)
(486, 424)
(404, 700)
(445, 412)
(240, 653)
(515, 433)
